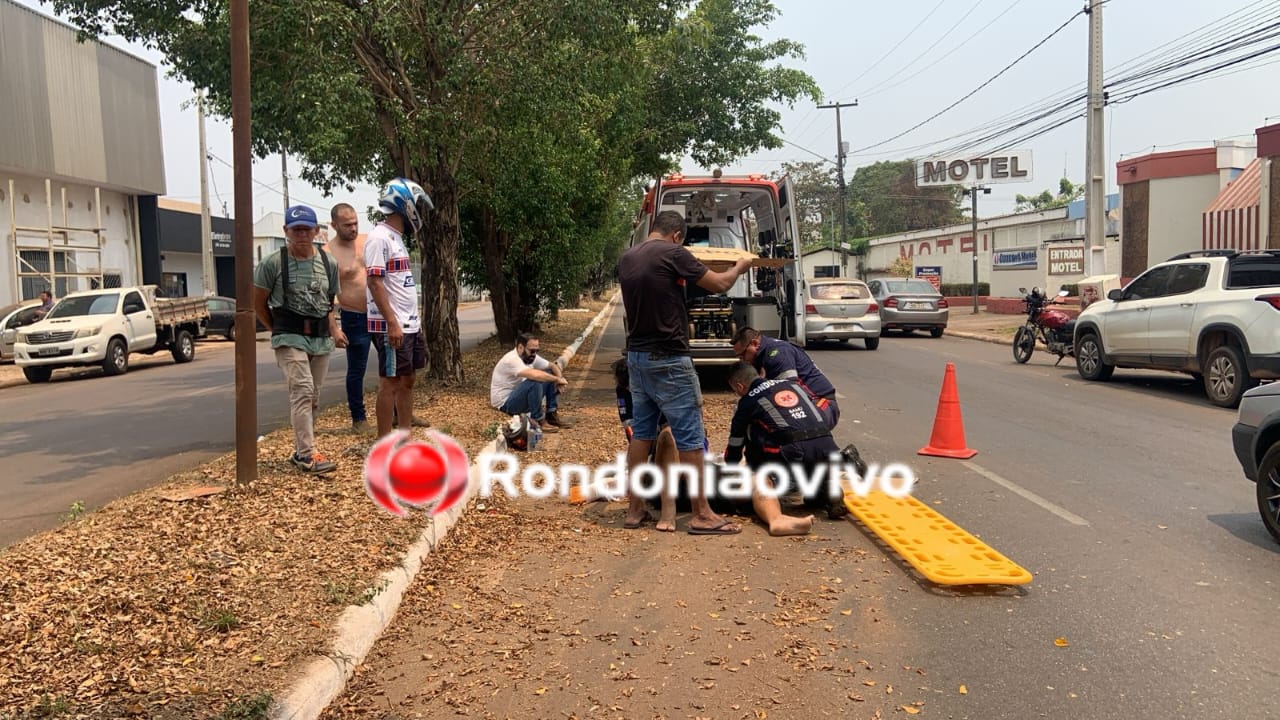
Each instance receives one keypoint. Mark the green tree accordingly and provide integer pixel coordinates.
(884, 199)
(365, 89)
(817, 201)
(1067, 193)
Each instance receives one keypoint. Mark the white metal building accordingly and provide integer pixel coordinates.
(80, 158)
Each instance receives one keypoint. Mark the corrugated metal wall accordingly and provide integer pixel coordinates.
(85, 112)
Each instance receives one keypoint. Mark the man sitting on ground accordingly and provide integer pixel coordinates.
(779, 359)
(778, 421)
(522, 381)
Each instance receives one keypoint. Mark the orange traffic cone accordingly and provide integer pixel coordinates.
(948, 426)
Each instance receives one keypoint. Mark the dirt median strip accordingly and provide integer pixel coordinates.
(158, 608)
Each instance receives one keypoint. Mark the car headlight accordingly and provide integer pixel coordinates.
(87, 332)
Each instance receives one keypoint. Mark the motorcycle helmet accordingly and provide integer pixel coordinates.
(407, 199)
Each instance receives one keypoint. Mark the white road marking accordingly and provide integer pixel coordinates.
(1018, 489)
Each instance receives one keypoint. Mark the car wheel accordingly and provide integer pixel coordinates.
(1089, 362)
(935, 332)
(872, 342)
(1225, 376)
(1024, 345)
(184, 347)
(38, 374)
(117, 360)
(231, 333)
(1269, 491)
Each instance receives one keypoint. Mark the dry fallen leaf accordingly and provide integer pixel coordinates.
(846, 612)
(964, 690)
(1061, 642)
(540, 691)
(911, 710)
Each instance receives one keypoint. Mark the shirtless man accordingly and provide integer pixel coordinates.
(348, 249)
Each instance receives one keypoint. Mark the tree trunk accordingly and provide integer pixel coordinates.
(439, 242)
(496, 246)
(523, 301)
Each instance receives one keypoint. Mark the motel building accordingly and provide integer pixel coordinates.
(1222, 197)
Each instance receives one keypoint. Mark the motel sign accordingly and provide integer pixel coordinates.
(1013, 166)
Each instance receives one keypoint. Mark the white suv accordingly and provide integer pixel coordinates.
(1214, 314)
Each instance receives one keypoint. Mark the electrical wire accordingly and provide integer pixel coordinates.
(973, 92)
(1203, 45)
(877, 89)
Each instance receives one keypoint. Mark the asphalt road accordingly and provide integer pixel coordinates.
(1125, 501)
(93, 439)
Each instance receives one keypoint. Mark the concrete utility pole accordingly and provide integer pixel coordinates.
(973, 195)
(206, 224)
(844, 191)
(284, 179)
(1095, 199)
(246, 328)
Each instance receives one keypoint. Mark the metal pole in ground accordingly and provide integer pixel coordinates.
(246, 326)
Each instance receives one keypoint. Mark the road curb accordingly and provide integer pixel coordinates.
(567, 356)
(324, 677)
(980, 336)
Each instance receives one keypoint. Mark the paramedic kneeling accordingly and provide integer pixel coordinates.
(778, 421)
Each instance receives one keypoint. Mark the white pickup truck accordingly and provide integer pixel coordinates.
(1213, 314)
(103, 327)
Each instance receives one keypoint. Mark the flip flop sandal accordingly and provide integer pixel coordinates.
(721, 529)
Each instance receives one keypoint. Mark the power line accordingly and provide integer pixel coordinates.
(894, 48)
(878, 88)
(1229, 25)
(973, 92)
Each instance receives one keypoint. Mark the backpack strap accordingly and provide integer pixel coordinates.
(327, 272)
(284, 273)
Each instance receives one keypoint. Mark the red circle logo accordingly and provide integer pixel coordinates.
(399, 472)
(786, 399)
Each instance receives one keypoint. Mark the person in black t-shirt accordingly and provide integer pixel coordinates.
(654, 276)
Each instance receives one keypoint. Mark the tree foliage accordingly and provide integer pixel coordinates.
(526, 120)
(1068, 192)
(884, 199)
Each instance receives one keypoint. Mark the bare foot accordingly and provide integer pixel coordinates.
(788, 525)
(666, 524)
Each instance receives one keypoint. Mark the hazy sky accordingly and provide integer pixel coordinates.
(944, 50)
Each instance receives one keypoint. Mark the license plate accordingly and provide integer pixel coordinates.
(48, 351)
(917, 306)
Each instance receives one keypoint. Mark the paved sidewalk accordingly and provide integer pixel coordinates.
(985, 326)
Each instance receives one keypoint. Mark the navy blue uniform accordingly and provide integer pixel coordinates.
(779, 421)
(782, 360)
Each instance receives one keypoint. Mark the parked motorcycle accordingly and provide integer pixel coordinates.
(1053, 328)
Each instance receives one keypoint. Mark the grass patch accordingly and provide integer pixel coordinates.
(247, 707)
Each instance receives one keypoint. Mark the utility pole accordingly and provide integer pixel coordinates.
(242, 169)
(284, 179)
(973, 216)
(206, 225)
(1095, 199)
(844, 192)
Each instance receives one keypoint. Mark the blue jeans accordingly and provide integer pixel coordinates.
(666, 385)
(355, 326)
(527, 397)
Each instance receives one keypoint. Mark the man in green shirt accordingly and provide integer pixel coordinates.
(294, 293)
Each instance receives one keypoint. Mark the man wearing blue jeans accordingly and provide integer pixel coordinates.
(654, 275)
(523, 382)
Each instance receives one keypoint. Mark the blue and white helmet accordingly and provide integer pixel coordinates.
(407, 199)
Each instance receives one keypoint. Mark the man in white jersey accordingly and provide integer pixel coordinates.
(393, 299)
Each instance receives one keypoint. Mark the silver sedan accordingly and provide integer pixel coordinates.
(841, 309)
(907, 304)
